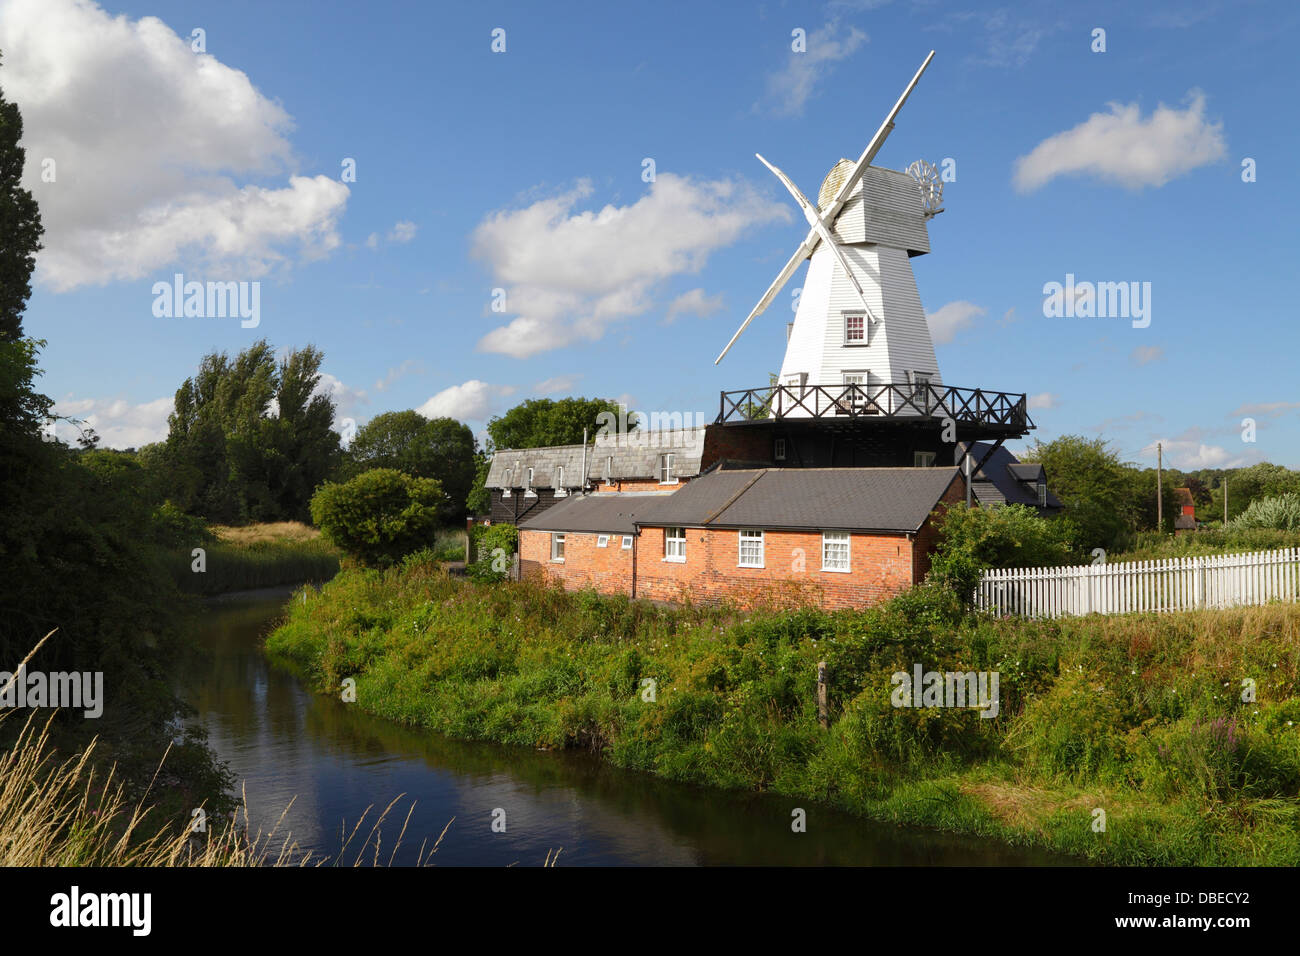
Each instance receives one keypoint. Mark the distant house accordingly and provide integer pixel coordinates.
(837, 537)
(1186, 519)
(1002, 480)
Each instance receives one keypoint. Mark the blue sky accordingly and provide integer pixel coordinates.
(523, 170)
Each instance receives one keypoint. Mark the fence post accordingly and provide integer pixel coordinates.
(823, 712)
(1198, 581)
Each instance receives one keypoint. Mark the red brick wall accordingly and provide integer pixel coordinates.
(607, 569)
(881, 566)
(636, 484)
(928, 536)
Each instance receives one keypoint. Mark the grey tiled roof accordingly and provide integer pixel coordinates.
(635, 455)
(1001, 480)
(612, 513)
(849, 499)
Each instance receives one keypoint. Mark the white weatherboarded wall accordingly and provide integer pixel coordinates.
(1172, 584)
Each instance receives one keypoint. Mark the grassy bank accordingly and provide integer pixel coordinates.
(1153, 546)
(256, 556)
(1138, 716)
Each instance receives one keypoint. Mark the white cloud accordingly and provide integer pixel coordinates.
(569, 275)
(952, 318)
(1121, 147)
(792, 85)
(469, 401)
(118, 423)
(408, 367)
(403, 231)
(559, 385)
(372, 241)
(346, 399)
(1145, 354)
(146, 136)
(1266, 409)
(1043, 401)
(1190, 454)
(694, 302)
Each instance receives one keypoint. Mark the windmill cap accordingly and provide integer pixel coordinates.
(833, 181)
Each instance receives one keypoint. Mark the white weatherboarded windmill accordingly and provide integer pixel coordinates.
(859, 333)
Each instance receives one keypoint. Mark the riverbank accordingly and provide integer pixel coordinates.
(1137, 717)
(255, 556)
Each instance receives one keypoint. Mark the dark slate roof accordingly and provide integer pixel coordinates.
(847, 499)
(606, 513)
(1185, 523)
(1001, 480)
(635, 455)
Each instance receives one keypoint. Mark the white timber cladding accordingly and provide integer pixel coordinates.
(877, 235)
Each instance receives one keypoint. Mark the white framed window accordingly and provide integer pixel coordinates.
(921, 389)
(557, 546)
(666, 463)
(602, 541)
(778, 449)
(855, 328)
(751, 549)
(627, 542)
(528, 486)
(675, 544)
(609, 470)
(1042, 494)
(923, 459)
(835, 551)
(510, 477)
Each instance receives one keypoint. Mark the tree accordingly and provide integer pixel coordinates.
(441, 448)
(230, 458)
(1086, 474)
(20, 226)
(541, 422)
(380, 515)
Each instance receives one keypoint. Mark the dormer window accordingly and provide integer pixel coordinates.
(666, 470)
(528, 486)
(509, 483)
(1042, 493)
(609, 470)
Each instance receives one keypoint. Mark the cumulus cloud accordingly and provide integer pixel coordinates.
(1265, 409)
(347, 400)
(559, 385)
(408, 367)
(1043, 401)
(149, 143)
(952, 318)
(790, 87)
(1146, 354)
(469, 401)
(694, 302)
(1191, 454)
(570, 274)
(403, 231)
(119, 423)
(1123, 147)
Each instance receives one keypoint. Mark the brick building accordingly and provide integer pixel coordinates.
(842, 537)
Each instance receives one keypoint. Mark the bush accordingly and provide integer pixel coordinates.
(379, 516)
(1281, 513)
(1005, 536)
(494, 544)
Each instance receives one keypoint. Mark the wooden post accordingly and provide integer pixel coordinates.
(823, 711)
(1160, 495)
(1225, 501)
(469, 541)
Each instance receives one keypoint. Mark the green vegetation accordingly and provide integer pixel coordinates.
(380, 516)
(972, 540)
(441, 448)
(254, 556)
(1140, 716)
(493, 547)
(1150, 546)
(1281, 513)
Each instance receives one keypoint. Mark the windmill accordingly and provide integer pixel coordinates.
(859, 323)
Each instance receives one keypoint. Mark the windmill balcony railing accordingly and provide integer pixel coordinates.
(975, 406)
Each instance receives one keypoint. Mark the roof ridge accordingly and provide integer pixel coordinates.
(732, 500)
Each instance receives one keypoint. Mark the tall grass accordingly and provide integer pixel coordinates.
(256, 556)
(1154, 545)
(1142, 715)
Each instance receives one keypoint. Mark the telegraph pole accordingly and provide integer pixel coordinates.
(1225, 501)
(1160, 494)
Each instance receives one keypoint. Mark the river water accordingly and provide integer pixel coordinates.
(332, 761)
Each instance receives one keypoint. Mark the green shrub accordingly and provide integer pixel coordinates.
(379, 516)
(1281, 513)
(973, 540)
(494, 544)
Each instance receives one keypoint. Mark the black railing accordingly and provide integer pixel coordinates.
(968, 406)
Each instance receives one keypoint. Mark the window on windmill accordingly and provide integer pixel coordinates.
(778, 449)
(751, 549)
(923, 459)
(855, 328)
(835, 551)
(666, 470)
(675, 544)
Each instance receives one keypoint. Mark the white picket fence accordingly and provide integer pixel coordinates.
(1172, 584)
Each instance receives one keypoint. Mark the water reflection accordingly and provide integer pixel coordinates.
(332, 760)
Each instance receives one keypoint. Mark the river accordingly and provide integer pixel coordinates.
(285, 744)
